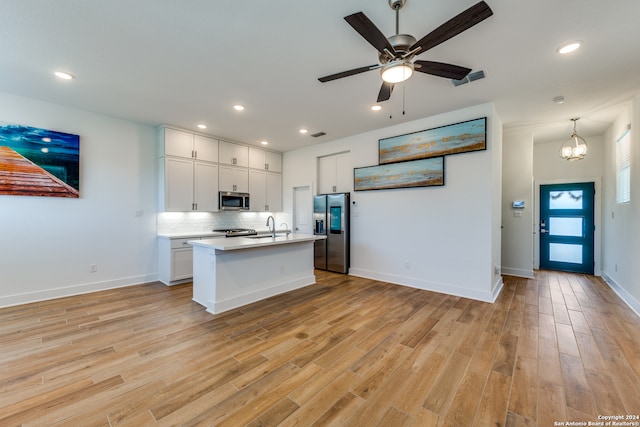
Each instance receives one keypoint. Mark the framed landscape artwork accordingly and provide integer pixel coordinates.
(441, 141)
(38, 162)
(417, 173)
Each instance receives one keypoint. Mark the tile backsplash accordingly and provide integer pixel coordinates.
(199, 222)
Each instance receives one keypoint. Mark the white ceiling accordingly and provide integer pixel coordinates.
(182, 62)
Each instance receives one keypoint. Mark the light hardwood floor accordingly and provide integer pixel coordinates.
(345, 351)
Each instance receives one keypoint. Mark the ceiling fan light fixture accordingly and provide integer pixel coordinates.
(397, 71)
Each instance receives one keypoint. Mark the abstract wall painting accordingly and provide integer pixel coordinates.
(441, 141)
(38, 162)
(417, 173)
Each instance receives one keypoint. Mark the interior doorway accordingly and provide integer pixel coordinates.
(302, 209)
(567, 227)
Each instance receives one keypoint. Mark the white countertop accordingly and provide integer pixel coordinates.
(201, 234)
(235, 243)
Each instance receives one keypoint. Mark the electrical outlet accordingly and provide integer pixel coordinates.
(138, 214)
(616, 267)
(407, 265)
(282, 269)
(496, 270)
(93, 268)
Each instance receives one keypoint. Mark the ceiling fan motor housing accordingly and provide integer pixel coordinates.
(400, 43)
(396, 4)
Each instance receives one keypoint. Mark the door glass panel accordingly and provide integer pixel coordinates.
(561, 252)
(565, 199)
(566, 226)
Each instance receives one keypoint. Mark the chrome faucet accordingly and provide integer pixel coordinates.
(273, 221)
(286, 228)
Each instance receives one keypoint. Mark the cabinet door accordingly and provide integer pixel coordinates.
(181, 263)
(273, 161)
(178, 184)
(205, 187)
(233, 154)
(257, 158)
(233, 179)
(177, 143)
(274, 192)
(205, 149)
(327, 175)
(257, 190)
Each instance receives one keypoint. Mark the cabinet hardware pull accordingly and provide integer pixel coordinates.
(195, 154)
(266, 166)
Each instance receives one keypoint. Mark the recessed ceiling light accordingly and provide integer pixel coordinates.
(201, 126)
(569, 47)
(303, 131)
(376, 107)
(264, 142)
(238, 107)
(64, 76)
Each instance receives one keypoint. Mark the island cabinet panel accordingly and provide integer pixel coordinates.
(227, 274)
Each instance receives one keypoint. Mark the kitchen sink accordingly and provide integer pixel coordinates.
(265, 236)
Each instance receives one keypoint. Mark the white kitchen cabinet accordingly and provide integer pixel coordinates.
(233, 179)
(189, 185)
(175, 258)
(233, 154)
(187, 145)
(205, 186)
(265, 189)
(265, 160)
(335, 173)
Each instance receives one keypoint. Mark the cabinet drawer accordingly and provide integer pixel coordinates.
(182, 243)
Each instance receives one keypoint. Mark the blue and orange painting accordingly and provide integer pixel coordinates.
(441, 141)
(417, 173)
(38, 162)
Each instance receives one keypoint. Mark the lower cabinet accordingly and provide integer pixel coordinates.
(175, 258)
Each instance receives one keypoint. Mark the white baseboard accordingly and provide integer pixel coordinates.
(487, 296)
(633, 303)
(518, 272)
(216, 307)
(48, 294)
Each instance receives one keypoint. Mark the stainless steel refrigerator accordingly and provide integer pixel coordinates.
(331, 219)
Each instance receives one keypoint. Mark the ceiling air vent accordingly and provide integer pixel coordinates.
(317, 134)
(471, 77)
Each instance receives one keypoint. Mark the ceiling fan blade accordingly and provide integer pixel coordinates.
(348, 73)
(369, 31)
(441, 69)
(459, 23)
(385, 91)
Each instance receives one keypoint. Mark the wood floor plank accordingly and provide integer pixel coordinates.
(346, 351)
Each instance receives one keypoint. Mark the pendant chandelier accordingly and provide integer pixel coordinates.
(575, 147)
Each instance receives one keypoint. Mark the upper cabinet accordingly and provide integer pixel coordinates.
(265, 160)
(335, 173)
(187, 145)
(233, 154)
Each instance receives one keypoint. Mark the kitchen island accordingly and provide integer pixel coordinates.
(232, 272)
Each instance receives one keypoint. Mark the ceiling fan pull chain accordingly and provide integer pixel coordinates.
(403, 87)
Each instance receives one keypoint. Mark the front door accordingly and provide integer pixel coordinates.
(567, 227)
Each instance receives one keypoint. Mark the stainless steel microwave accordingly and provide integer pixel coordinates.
(230, 201)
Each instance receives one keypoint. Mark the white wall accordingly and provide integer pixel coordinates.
(517, 234)
(449, 236)
(47, 244)
(621, 222)
(549, 168)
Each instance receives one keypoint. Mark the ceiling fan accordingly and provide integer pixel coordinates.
(397, 53)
